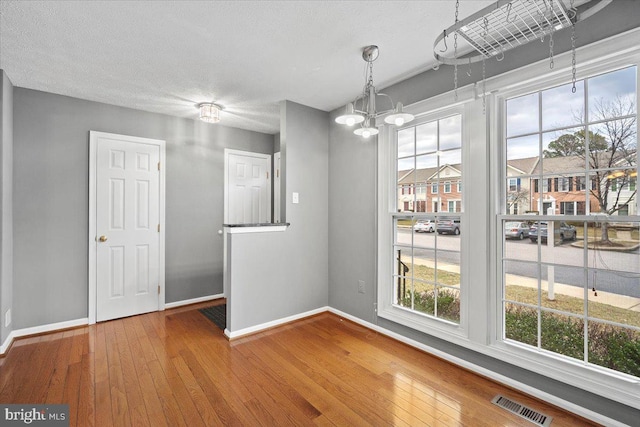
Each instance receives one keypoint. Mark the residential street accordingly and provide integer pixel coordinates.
(617, 272)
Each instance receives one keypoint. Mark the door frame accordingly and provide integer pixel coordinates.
(94, 137)
(267, 157)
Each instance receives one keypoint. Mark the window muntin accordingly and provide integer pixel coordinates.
(426, 266)
(559, 294)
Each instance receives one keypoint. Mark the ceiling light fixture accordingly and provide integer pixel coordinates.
(363, 108)
(209, 112)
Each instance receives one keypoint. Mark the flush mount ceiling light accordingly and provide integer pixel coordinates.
(209, 112)
(363, 109)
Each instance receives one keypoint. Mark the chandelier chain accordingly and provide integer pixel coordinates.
(573, 51)
(455, 53)
(485, 24)
(551, 63)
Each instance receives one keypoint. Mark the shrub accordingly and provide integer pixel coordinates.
(448, 303)
(610, 346)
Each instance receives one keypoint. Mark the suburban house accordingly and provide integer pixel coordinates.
(200, 225)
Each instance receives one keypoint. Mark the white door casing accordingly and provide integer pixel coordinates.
(276, 187)
(247, 187)
(126, 206)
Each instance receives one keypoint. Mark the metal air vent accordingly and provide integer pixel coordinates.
(525, 412)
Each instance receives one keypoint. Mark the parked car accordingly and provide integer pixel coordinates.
(562, 230)
(424, 226)
(516, 230)
(448, 226)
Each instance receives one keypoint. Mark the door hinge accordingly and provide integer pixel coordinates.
(158, 228)
(158, 289)
(278, 173)
(158, 165)
(267, 175)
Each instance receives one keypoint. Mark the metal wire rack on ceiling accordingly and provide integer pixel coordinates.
(507, 25)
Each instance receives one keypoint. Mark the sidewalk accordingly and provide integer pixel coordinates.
(622, 301)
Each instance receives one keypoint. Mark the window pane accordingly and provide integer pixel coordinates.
(521, 282)
(612, 94)
(448, 303)
(406, 142)
(450, 133)
(524, 147)
(521, 324)
(426, 138)
(563, 288)
(614, 347)
(561, 107)
(562, 334)
(451, 157)
(522, 115)
(427, 165)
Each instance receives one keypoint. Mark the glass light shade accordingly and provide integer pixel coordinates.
(366, 132)
(350, 117)
(398, 117)
(209, 112)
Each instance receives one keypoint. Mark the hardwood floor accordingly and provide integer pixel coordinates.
(175, 368)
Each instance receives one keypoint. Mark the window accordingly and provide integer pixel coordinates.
(503, 295)
(562, 184)
(426, 266)
(459, 187)
(514, 184)
(550, 290)
(454, 205)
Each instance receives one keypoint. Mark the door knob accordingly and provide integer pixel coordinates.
(103, 238)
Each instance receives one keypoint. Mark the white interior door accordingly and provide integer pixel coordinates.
(248, 187)
(127, 226)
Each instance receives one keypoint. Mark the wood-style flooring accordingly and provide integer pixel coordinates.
(176, 368)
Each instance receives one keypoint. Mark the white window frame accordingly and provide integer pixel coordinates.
(434, 185)
(481, 327)
(427, 111)
(608, 55)
(445, 185)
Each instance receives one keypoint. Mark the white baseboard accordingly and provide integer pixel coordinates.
(192, 301)
(544, 396)
(273, 323)
(6, 344)
(40, 330)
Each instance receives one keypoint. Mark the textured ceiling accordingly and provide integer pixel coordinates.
(167, 56)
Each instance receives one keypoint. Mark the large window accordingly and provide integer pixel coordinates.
(426, 272)
(571, 288)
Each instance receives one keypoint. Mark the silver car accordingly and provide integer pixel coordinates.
(424, 226)
(516, 230)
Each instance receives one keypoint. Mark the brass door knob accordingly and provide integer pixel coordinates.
(103, 238)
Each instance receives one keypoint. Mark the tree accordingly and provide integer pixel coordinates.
(516, 197)
(611, 153)
(573, 144)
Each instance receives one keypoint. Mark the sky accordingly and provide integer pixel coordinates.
(562, 108)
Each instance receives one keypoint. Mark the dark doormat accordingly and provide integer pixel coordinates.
(217, 314)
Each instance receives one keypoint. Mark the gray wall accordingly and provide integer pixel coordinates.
(279, 274)
(51, 198)
(352, 202)
(6, 203)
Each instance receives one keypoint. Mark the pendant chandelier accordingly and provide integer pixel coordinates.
(363, 109)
